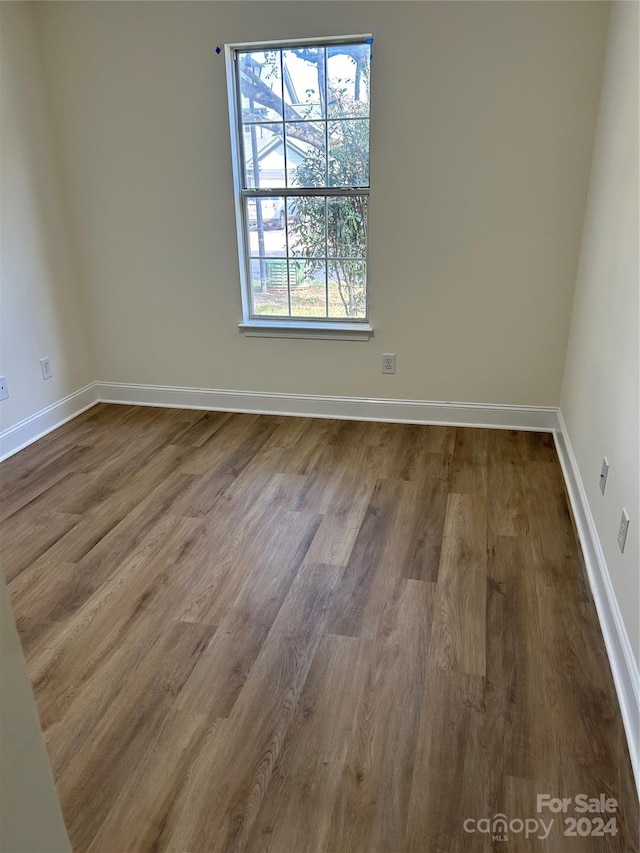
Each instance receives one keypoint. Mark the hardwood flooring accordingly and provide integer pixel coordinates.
(286, 635)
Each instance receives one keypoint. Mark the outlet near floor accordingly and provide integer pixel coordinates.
(622, 530)
(45, 366)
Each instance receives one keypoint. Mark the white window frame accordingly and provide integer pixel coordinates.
(293, 327)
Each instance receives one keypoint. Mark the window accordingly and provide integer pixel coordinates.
(300, 137)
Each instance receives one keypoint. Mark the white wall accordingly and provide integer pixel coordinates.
(40, 310)
(600, 390)
(482, 125)
(30, 817)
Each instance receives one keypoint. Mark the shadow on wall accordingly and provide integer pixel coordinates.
(41, 304)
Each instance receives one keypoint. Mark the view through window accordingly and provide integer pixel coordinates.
(303, 154)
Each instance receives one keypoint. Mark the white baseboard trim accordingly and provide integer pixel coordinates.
(538, 418)
(30, 429)
(624, 668)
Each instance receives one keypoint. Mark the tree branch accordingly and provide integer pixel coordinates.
(256, 90)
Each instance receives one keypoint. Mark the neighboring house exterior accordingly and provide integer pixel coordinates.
(271, 158)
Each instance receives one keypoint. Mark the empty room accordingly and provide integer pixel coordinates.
(319, 437)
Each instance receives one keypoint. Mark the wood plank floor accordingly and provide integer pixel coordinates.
(286, 635)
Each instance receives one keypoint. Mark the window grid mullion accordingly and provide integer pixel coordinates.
(326, 118)
(287, 192)
(270, 123)
(286, 180)
(292, 192)
(358, 258)
(326, 253)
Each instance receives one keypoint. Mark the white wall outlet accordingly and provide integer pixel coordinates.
(622, 532)
(604, 473)
(45, 364)
(4, 388)
(388, 362)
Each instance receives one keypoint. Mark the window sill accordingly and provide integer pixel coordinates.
(318, 331)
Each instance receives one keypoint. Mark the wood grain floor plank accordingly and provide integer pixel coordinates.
(114, 473)
(341, 480)
(264, 634)
(554, 546)
(295, 448)
(26, 540)
(458, 638)
(336, 536)
(469, 464)
(411, 549)
(449, 765)
(425, 518)
(407, 452)
(90, 784)
(101, 627)
(18, 468)
(102, 509)
(195, 434)
(232, 446)
(370, 811)
(217, 565)
(371, 559)
(129, 533)
(145, 806)
(245, 626)
(508, 689)
(507, 513)
(28, 489)
(228, 784)
(299, 817)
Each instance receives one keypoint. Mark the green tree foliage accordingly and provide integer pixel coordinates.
(346, 216)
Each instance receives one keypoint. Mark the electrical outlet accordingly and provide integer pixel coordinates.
(604, 473)
(45, 364)
(388, 362)
(622, 532)
(4, 388)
